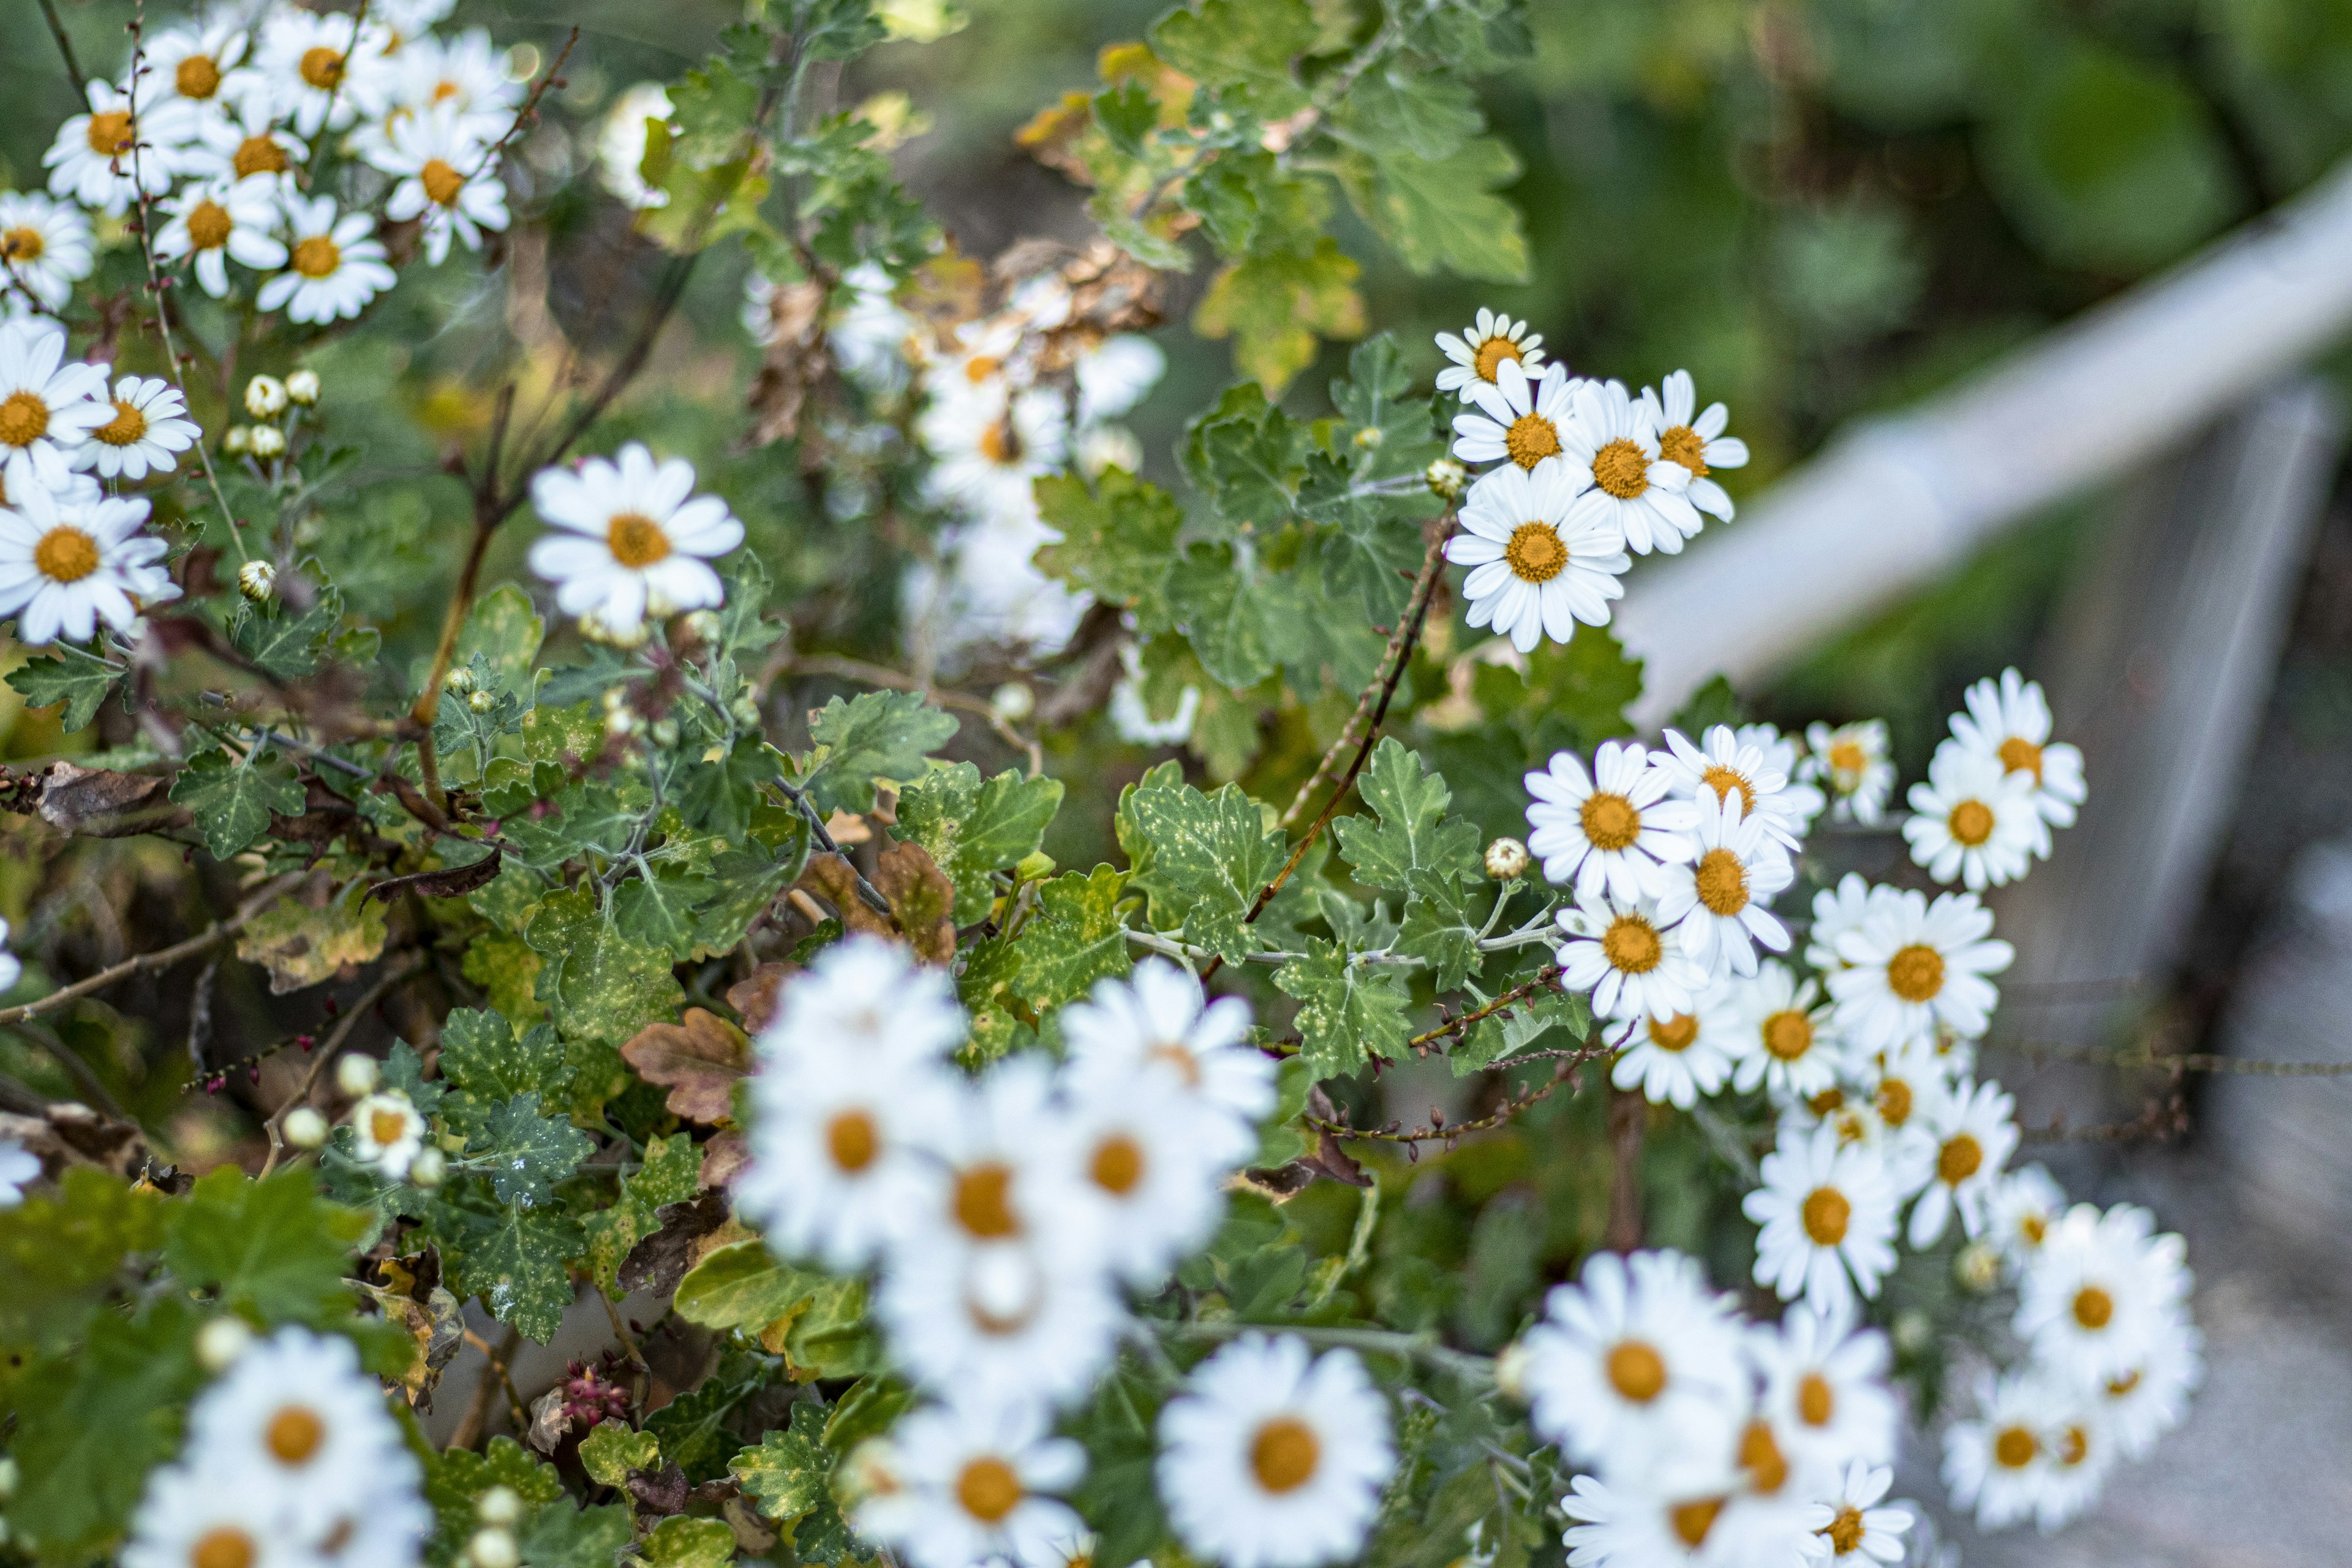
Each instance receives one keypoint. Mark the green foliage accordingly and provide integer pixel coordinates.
(877, 735)
(671, 1173)
(79, 683)
(1201, 858)
(973, 829)
(1349, 1011)
(233, 798)
(269, 1249)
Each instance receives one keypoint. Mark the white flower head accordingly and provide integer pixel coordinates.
(1836, 910)
(1850, 1528)
(1516, 416)
(387, 1133)
(1974, 1135)
(1632, 961)
(2023, 1207)
(1272, 1459)
(1827, 1213)
(151, 427)
(1999, 1463)
(2101, 1292)
(19, 1167)
(2082, 1454)
(1537, 565)
(1972, 823)
(244, 145)
(48, 403)
(321, 69)
(1114, 375)
(105, 158)
(1914, 966)
(1825, 1385)
(1783, 754)
(1716, 901)
(45, 250)
(1851, 766)
(1779, 1035)
(2010, 720)
(67, 564)
(304, 1430)
(187, 1518)
(1155, 1034)
(1674, 1061)
(974, 1483)
(1611, 446)
(866, 999)
(335, 264)
(635, 540)
(1604, 829)
(448, 179)
(869, 331)
(1722, 766)
(992, 451)
(197, 62)
(1695, 439)
(1691, 1513)
(621, 144)
(1130, 1171)
(1479, 354)
(2144, 1402)
(466, 76)
(213, 223)
(1026, 1318)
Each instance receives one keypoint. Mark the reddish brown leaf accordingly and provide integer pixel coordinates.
(921, 898)
(697, 1060)
(754, 1000)
(722, 1157)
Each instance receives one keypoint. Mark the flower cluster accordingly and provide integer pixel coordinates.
(291, 1457)
(1006, 1215)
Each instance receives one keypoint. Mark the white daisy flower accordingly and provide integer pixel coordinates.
(991, 452)
(1999, 1463)
(387, 1133)
(44, 249)
(104, 159)
(633, 542)
(1720, 766)
(1154, 1035)
(1533, 570)
(1692, 1511)
(187, 1518)
(335, 264)
(465, 75)
(1128, 1171)
(1914, 966)
(1116, 374)
(1783, 755)
(1827, 1216)
(2011, 721)
(50, 473)
(48, 403)
(1606, 828)
(1675, 1059)
(19, 1167)
(1975, 1136)
(869, 333)
(2023, 1207)
(1850, 1528)
(65, 565)
(1022, 1319)
(1779, 1035)
(1270, 1460)
(865, 998)
(1971, 822)
(151, 424)
(407, 22)
(1479, 354)
(198, 62)
(986, 365)
(1836, 910)
(1632, 961)
(1631, 1360)
(987, 1186)
(212, 223)
(304, 1427)
(321, 69)
(1717, 903)
(974, 1485)
(2082, 1456)
(1516, 416)
(448, 180)
(2101, 1291)
(1825, 1386)
(242, 144)
(1697, 443)
(1851, 766)
(2142, 1402)
(1610, 441)
(1901, 1097)
(621, 144)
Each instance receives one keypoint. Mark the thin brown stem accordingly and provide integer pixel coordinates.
(477, 1409)
(1547, 979)
(2130, 1060)
(161, 958)
(407, 964)
(66, 51)
(1440, 1133)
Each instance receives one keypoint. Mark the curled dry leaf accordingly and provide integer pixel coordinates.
(698, 1059)
(445, 882)
(921, 897)
(659, 1261)
(754, 998)
(797, 360)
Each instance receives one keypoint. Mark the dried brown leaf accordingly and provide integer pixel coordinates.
(698, 1059)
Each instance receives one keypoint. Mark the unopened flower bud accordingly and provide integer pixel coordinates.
(302, 387)
(482, 702)
(357, 1075)
(1511, 1370)
(459, 681)
(428, 1169)
(1369, 436)
(255, 580)
(305, 1127)
(1035, 867)
(239, 441)
(1013, 701)
(268, 441)
(221, 1341)
(665, 731)
(265, 398)
(493, 1548)
(1447, 479)
(746, 713)
(1914, 1331)
(498, 1506)
(620, 721)
(1977, 1267)
(1506, 860)
(702, 625)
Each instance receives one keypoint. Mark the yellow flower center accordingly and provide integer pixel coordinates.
(2073, 1447)
(387, 1127)
(2094, 1308)
(2019, 755)
(1534, 553)
(1609, 821)
(1971, 822)
(209, 225)
(1691, 1520)
(224, 1547)
(1827, 1213)
(1284, 1454)
(198, 76)
(635, 540)
(1181, 1058)
(1683, 445)
(2014, 1447)
(65, 554)
(1895, 1102)
(1488, 360)
(23, 419)
(441, 182)
(1962, 1157)
(2117, 1387)
(1637, 1372)
(445, 90)
(979, 367)
(1788, 1034)
(1848, 757)
(1761, 1457)
(1722, 882)
(260, 155)
(1816, 1400)
(1675, 1034)
(322, 68)
(989, 1490)
(852, 1139)
(1530, 439)
(23, 245)
(983, 1202)
(294, 1435)
(317, 256)
(1001, 443)
(1622, 468)
(1845, 1532)
(110, 132)
(1117, 1165)
(1631, 945)
(2034, 1228)
(1830, 1099)
(1725, 782)
(1915, 972)
(126, 428)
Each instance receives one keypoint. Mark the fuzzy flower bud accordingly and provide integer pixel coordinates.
(428, 1169)
(221, 1341)
(255, 580)
(265, 398)
(268, 441)
(665, 731)
(1447, 479)
(746, 713)
(459, 681)
(239, 441)
(1977, 1267)
(498, 1506)
(1511, 1370)
(302, 387)
(1506, 860)
(305, 1127)
(1013, 701)
(482, 702)
(493, 1548)
(702, 625)
(357, 1075)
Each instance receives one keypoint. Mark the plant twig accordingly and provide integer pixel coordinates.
(824, 836)
(477, 1409)
(161, 958)
(66, 50)
(1438, 1131)
(407, 964)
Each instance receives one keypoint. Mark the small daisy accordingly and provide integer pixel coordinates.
(1015, 1321)
(1132, 1176)
(1825, 1386)
(1717, 903)
(1480, 352)
(1828, 1221)
(1851, 764)
(1155, 1035)
(65, 565)
(242, 144)
(1517, 417)
(1699, 445)
(1271, 1460)
(1999, 1463)
(1606, 828)
(974, 1485)
(992, 451)
(2010, 721)
(1780, 1036)
(49, 472)
(304, 1426)
(335, 264)
(1112, 377)
(1694, 1512)
(1850, 1528)
(2145, 1401)
(621, 144)
(1904, 1095)
(45, 247)
(1783, 754)
(197, 63)
(1675, 1059)
(2023, 1207)
(104, 160)
(1975, 1136)
(1836, 910)
(2101, 1291)
(633, 542)
(466, 76)
(869, 333)
(2082, 1453)
(1971, 823)
(865, 999)
(1533, 570)
(387, 1133)
(1633, 962)
(19, 1167)
(1914, 966)
(1721, 765)
(320, 67)
(187, 1518)
(1621, 1358)
(1612, 442)
(48, 403)
(219, 221)
(448, 180)
(151, 424)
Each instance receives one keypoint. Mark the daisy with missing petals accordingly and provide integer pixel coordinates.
(2010, 720)
(1518, 418)
(1480, 352)
(1850, 767)
(1828, 1221)
(1674, 1060)
(2101, 1292)
(304, 1429)
(65, 565)
(216, 222)
(100, 160)
(1836, 910)
(635, 540)
(1720, 766)
(48, 403)
(45, 250)
(1716, 903)
(447, 180)
(1825, 1386)
(1271, 1460)
(335, 264)
(974, 1485)
(1780, 1036)
(1607, 828)
(1851, 1529)
(1697, 443)
(151, 424)
(1914, 966)
(1975, 1136)
(1535, 570)
(1155, 1035)
(387, 1133)
(1611, 442)
(1999, 1464)
(2145, 1401)
(1632, 961)
(1625, 1362)
(1969, 822)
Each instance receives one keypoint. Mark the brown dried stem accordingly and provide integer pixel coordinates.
(161, 958)
(407, 964)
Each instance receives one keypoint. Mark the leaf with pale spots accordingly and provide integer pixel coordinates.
(1411, 832)
(1349, 1012)
(1202, 858)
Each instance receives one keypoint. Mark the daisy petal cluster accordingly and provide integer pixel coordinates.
(632, 541)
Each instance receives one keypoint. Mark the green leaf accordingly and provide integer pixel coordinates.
(720, 797)
(233, 800)
(741, 1284)
(1400, 109)
(681, 1541)
(1076, 936)
(1247, 45)
(691, 1428)
(526, 1153)
(787, 1476)
(283, 644)
(563, 1536)
(880, 734)
(1349, 1012)
(270, 1247)
(515, 1258)
(657, 912)
(81, 684)
(1713, 703)
(744, 882)
(1411, 834)
(1248, 455)
(1202, 858)
(973, 828)
(1444, 213)
(1276, 304)
(1118, 540)
(1215, 597)
(1127, 115)
(672, 1174)
(1504, 1034)
(455, 1478)
(482, 1056)
(599, 984)
(613, 1452)
(1441, 929)
(867, 1408)
(503, 628)
(58, 1251)
(1118, 1493)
